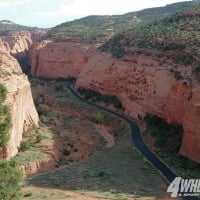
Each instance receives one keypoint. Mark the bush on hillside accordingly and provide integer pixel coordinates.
(96, 96)
(97, 117)
(5, 119)
(3, 93)
(10, 179)
(167, 136)
(196, 72)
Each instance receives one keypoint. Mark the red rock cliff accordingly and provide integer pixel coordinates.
(183, 106)
(21, 41)
(19, 100)
(140, 82)
(142, 86)
(55, 60)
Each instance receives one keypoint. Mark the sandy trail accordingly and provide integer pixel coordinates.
(106, 135)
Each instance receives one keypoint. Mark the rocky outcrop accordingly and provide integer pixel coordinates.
(37, 167)
(18, 41)
(183, 106)
(19, 100)
(54, 60)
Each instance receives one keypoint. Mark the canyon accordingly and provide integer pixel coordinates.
(142, 83)
(147, 73)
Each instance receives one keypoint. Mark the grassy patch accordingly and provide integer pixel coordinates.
(31, 149)
(119, 170)
(98, 97)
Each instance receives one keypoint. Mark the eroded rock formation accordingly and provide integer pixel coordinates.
(19, 100)
(54, 60)
(183, 106)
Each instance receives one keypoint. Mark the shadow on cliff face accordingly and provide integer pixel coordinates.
(23, 59)
(87, 165)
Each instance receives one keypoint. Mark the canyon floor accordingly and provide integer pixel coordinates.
(84, 160)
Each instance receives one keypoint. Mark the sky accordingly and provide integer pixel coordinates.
(49, 13)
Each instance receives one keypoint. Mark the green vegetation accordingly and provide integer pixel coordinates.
(175, 38)
(31, 149)
(3, 93)
(116, 173)
(10, 176)
(6, 29)
(66, 152)
(59, 87)
(91, 27)
(97, 97)
(97, 117)
(180, 165)
(31, 137)
(5, 119)
(10, 179)
(168, 136)
(177, 74)
(69, 79)
(97, 28)
(196, 71)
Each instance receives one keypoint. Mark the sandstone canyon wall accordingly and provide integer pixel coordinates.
(19, 97)
(140, 82)
(54, 60)
(183, 106)
(18, 42)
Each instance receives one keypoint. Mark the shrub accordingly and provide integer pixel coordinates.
(59, 88)
(3, 110)
(4, 128)
(97, 96)
(28, 194)
(44, 119)
(5, 119)
(168, 136)
(66, 152)
(3, 93)
(38, 138)
(97, 117)
(118, 52)
(184, 59)
(196, 72)
(25, 145)
(10, 179)
(177, 74)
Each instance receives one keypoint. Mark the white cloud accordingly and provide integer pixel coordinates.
(12, 3)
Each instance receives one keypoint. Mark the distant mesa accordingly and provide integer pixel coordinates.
(6, 22)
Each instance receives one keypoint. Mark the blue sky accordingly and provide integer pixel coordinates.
(48, 13)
